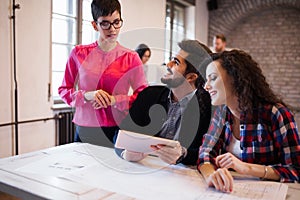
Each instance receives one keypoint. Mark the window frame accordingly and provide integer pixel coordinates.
(170, 49)
(79, 20)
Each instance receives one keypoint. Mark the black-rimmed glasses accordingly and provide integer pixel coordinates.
(105, 25)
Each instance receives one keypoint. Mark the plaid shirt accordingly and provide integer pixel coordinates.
(269, 136)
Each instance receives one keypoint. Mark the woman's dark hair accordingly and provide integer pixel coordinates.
(249, 83)
(141, 49)
(102, 8)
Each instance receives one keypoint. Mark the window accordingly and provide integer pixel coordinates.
(89, 35)
(175, 28)
(71, 25)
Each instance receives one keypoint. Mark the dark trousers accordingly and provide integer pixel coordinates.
(102, 136)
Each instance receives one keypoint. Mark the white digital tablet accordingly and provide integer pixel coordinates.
(140, 142)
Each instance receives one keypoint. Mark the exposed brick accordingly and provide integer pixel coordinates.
(269, 30)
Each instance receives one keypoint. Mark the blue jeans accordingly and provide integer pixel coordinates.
(77, 138)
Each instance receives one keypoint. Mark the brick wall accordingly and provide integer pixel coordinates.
(270, 31)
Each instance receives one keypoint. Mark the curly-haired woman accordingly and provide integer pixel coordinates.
(254, 133)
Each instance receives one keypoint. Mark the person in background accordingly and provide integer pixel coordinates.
(184, 100)
(254, 133)
(219, 43)
(98, 77)
(144, 53)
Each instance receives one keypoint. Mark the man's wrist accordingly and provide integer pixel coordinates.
(183, 155)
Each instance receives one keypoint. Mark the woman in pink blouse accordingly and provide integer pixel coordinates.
(98, 77)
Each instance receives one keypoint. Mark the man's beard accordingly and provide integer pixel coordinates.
(174, 82)
(219, 50)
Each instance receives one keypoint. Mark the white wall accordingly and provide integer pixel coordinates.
(190, 22)
(33, 67)
(6, 89)
(202, 20)
(144, 22)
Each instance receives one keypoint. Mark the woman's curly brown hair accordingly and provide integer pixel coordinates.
(249, 83)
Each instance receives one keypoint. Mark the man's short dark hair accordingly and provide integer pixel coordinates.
(221, 36)
(102, 8)
(197, 54)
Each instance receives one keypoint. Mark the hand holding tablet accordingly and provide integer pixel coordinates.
(136, 142)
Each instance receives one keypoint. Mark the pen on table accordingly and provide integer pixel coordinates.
(153, 155)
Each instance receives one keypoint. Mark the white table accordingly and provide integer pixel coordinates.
(84, 171)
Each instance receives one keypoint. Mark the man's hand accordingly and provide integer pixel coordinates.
(133, 156)
(167, 153)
